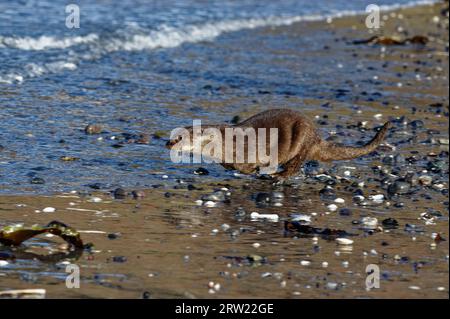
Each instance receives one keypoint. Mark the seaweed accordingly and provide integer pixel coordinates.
(306, 230)
(15, 235)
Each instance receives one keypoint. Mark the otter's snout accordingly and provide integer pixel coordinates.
(169, 144)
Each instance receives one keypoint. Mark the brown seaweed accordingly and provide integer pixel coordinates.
(16, 235)
(418, 39)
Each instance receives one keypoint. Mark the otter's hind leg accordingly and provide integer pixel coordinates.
(291, 167)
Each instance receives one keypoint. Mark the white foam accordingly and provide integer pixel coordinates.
(45, 42)
(138, 39)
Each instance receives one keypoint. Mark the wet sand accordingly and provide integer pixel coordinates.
(173, 248)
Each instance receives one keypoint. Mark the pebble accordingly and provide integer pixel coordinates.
(390, 223)
(37, 180)
(201, 171)
(209, 204)
(339, 200)
(95, 200)
(324, 264)
(93, 129)
(332, 285)
(399, 187)
(225, 227)
(332, 207)
(305, 263)
(49, 210)
(218, 196)
(119, 259)
(369, 222)
(425, 180)
(138, 194)
(327, 193)
(344, 241)
(377, 198)
(256, 245)
(302, 218)
(119, 193)
(270, 217)
(3, 263)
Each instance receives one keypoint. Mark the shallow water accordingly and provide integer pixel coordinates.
(171, 245)
(134, 67)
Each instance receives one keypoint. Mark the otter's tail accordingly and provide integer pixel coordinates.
(331, 152)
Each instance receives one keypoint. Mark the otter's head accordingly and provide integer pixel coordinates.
(185, 139)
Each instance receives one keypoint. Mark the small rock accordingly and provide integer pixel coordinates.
(399, 187)
(270, 217)
(138, 194)
(37, 180)
(201, 171)
(93, 129)
(119, 193)
(119, 259)
(344, 241)
(369, 222)
(425, 180)
(390, 223)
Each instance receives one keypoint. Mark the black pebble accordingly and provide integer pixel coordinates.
(201, 171)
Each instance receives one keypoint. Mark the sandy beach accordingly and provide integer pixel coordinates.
(169, 244)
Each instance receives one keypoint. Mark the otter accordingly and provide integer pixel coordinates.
(298, 141)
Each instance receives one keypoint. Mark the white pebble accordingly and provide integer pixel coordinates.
(95, 199)
(199, 202)
(256, 245)
(339, 200)
(378, 116)
(332, 207)
(414, 287)
(225, 227)
(332, 285)
(49, 210)
(209, 203)
(324, 264)
(369, 222)
(345, 264)
(344, 241)
(271, 217)
(305, 263)
(378, 197)
(3, 263)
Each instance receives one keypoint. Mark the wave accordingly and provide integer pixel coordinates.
(45, 42)
(141, 39)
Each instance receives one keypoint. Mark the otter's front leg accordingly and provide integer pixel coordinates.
(242, 168)
(290, 168)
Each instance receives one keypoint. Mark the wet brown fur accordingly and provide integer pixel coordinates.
(298, 141)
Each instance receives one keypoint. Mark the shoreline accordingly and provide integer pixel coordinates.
(170, 243)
